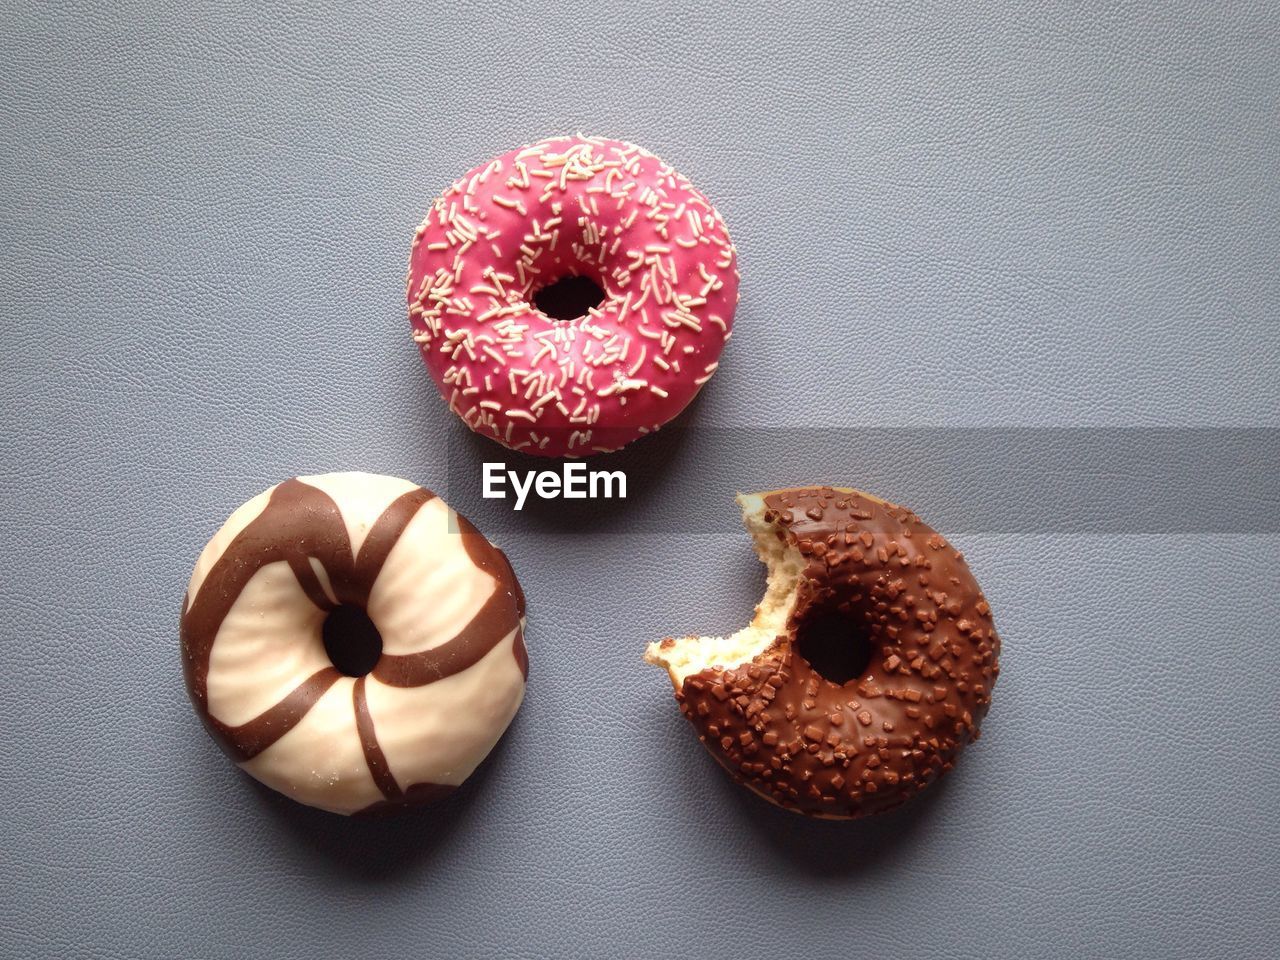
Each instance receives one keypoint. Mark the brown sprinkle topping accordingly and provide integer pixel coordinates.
(779, 723)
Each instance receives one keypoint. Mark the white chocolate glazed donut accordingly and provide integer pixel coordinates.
(445, 601)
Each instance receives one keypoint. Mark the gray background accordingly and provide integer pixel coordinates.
(960, 215)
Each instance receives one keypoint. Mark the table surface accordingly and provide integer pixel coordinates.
(1057, 220)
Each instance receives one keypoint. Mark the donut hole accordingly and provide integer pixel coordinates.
(569, 297)
(351, 640)
(834, 645)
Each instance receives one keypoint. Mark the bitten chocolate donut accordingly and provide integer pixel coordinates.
(572, 295)
(312, 577)
(847, 567)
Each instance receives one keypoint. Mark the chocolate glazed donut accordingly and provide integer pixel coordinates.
(444, 601)
(843, 749)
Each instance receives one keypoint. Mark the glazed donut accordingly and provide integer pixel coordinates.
(571, 295)
(316, 550)
(803, 740)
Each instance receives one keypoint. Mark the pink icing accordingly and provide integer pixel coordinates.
(570, 206)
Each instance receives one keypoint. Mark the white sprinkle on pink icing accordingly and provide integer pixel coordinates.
(571, 206)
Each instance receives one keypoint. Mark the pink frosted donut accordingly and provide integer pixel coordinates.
(571, 295)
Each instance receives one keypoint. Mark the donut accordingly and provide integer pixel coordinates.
(572, 295)
(868, 665)
(436, 606)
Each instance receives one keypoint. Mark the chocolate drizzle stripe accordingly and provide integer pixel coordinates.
(373, 755)
(254, 736)
(488, 557)
(509, 573)
(491, 623)
(415, 795)
(384, 535)
(310, 583)
(493, 561)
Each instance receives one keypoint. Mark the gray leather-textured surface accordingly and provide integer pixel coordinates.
(952, 215)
